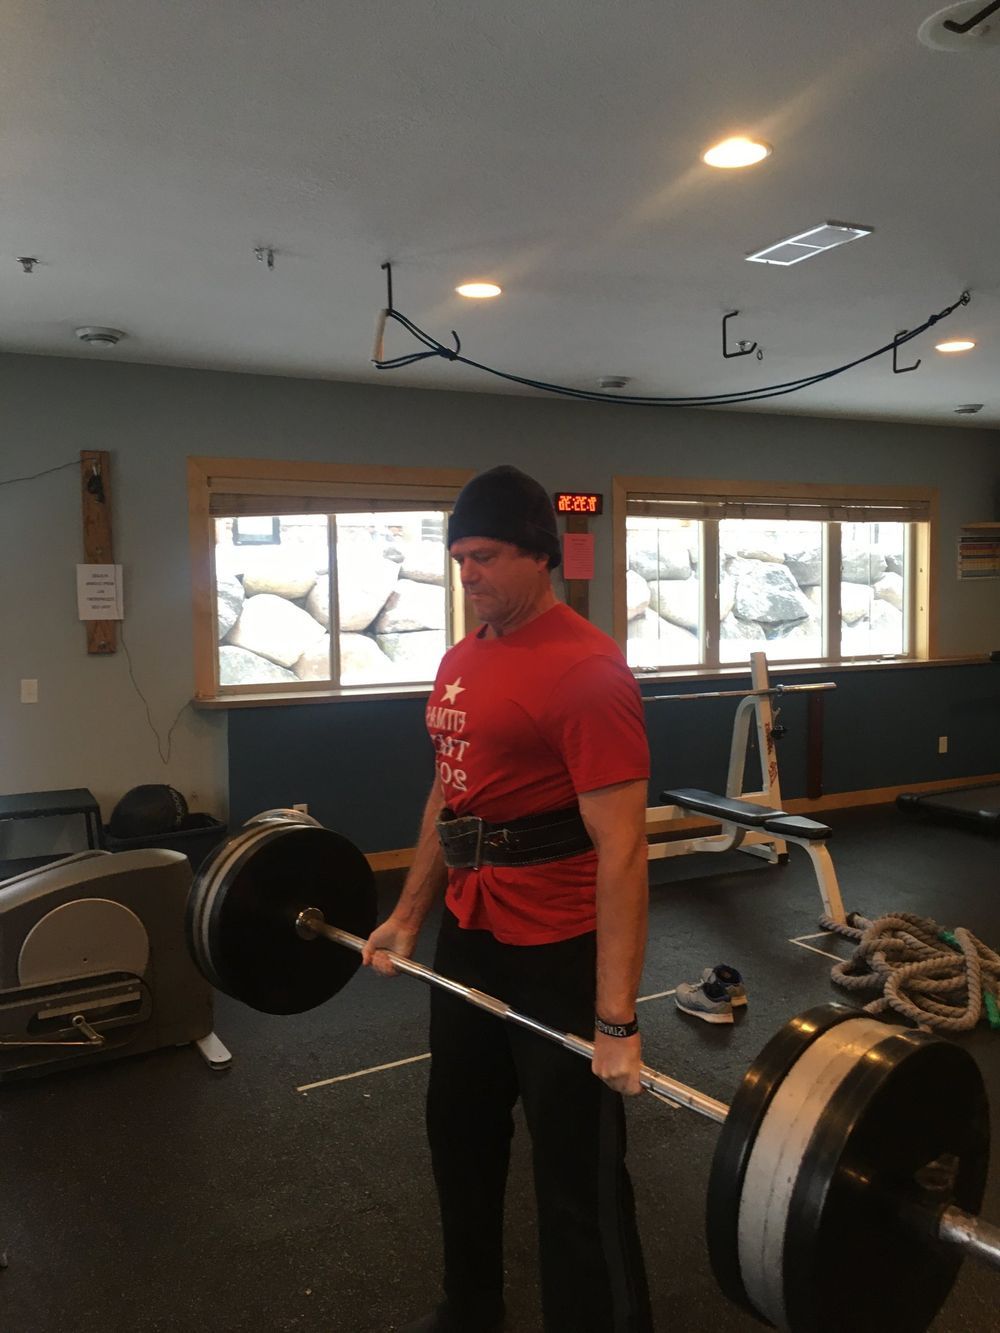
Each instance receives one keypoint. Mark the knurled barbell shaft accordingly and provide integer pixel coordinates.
(979, 1239)
(311, 922)
(743, 694)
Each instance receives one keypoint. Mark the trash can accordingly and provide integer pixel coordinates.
(196, 836)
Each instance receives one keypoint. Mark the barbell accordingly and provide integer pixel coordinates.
(851, 1146)
(776, 690)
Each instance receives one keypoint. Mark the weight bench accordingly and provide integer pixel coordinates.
(757, 828)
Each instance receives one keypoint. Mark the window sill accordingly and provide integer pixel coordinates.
(268, 699)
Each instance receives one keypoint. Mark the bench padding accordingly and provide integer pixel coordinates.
(728, 808)
(797, 826)
(749, 815)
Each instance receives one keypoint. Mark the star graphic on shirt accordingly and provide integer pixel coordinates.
(452, 691)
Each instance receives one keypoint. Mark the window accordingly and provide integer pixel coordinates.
(320, 577)
(709, 572)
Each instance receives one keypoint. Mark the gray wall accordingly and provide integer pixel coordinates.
(90, 728)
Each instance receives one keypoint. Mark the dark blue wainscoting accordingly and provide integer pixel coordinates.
(364, 767)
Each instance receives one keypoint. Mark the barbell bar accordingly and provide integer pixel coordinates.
(311, 924)
(848, 1137)
(742, 694)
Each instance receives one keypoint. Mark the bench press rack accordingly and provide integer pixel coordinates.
(752, 822)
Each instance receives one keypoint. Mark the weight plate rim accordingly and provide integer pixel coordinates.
(257, 836)
(779, 1149)
(212, 876)
(856, 1093)
(202, 887)
(739, 1132)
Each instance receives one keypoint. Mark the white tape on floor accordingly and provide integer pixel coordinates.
(360, 1073)
(812, 948)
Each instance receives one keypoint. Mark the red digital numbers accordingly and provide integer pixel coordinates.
(579, 502)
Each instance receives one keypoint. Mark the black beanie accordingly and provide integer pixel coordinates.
(508, 506)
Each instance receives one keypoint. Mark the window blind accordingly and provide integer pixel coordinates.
(231, 498)
(822, 509)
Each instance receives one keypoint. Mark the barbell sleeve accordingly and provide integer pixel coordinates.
(979, 1239)
(311, 923)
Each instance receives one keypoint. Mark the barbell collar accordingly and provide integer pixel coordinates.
(311, 923)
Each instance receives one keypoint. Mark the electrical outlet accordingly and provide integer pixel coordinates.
(302, 808)
(942, 745)
(29, 691)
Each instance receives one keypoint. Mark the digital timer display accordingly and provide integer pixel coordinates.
(579, 502)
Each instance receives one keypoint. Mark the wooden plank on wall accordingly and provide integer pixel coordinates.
(98, 547)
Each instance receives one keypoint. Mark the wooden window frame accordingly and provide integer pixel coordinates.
(922, 606)
(281, 478)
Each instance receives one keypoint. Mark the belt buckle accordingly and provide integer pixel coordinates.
(480, 828)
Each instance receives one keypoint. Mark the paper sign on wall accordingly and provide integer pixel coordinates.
(99, 592)
(578, 555)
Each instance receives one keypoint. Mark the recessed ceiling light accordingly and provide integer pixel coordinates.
(736, 152)
(806, 244)
(479, 290)
(968, 409)
(955, 345)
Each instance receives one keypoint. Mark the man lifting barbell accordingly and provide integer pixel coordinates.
(535, 830)
(848, 1139)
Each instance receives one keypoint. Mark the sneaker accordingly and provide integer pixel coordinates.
(705, 999)
(730, 980)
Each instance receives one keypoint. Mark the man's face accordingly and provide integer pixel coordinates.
(503, 584)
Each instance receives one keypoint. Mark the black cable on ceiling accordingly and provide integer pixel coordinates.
(434, 348)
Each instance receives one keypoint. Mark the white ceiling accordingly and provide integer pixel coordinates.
(147, 148)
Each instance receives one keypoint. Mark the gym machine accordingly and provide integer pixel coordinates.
(849, 1140)
(93, 963)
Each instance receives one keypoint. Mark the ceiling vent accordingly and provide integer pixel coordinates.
(99, 337)
(939, 31)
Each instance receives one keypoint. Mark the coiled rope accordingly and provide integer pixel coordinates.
(936, 978)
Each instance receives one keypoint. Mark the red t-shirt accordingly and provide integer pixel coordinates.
(521, 724)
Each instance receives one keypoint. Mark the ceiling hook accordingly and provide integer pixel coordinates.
(976, 19)
(743, 347)
(387, 270)
(897, 369)
(265, 255)
(27, 262)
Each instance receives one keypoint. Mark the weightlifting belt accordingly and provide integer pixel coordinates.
(469, 842)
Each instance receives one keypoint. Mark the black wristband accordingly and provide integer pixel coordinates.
(617, 1029)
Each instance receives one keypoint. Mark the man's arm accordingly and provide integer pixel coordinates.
(424, 883)
(616, 821)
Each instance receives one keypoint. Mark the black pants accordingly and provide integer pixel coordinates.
(592, 1272)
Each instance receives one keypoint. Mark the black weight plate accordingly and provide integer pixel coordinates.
(203, 885)
(913, 1099)
(243, 921)
(739, 1131)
